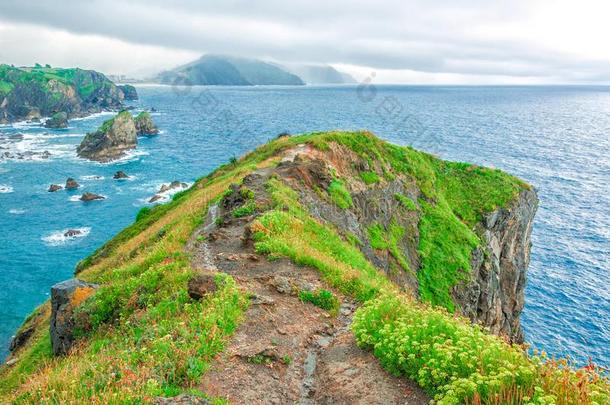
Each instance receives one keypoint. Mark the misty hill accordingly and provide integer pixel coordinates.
(320, 74)
(226, 70)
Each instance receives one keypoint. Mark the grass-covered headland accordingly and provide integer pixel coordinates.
(142, 336)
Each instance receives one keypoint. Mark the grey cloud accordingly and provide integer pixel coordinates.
(431, 36)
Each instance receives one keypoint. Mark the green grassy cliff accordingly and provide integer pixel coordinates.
(390, 228)
(32, 92)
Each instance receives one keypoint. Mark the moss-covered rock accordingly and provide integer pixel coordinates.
(111, 140)
(145, 124)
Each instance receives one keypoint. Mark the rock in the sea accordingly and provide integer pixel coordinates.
(201, 284)
(155, 198)
(145, 124)
(65, 298)
(91, 197)
(129, 92)
(54, 187)
(57, 120)
(71, 184)
(120, 175)
(172, 186)
(111, 140)
(70, 233)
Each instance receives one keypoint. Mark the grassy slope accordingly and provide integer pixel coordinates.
(142, 336)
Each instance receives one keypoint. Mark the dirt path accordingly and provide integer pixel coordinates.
(286, 351)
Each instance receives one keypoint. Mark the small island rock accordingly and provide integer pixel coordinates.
(91, 197)
(54, 187)
(57, 120)
(145, 124)
(111, 140)
(71, 184)
(120, 175)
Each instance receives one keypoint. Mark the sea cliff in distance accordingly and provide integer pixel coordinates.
(31, 93)
(235, 71)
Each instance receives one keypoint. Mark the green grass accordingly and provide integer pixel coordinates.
(381, 238)
(369, 177)
(406, 202)
(339, 194)
(248, 208)
(322, 299)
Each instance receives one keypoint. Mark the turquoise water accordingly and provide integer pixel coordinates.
(557, 138)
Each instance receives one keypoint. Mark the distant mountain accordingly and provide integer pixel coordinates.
(320, 74)
(228, 70)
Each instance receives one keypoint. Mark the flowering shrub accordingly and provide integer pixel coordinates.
(459, 363)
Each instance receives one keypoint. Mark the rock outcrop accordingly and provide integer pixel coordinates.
(32, 92)
(111, 140)
(120, 175)
(145, 124)
(129, 92)
(54, 187)
(91, 197)
(65, 298)
(58, 120)
(494, 296)
(71, 184)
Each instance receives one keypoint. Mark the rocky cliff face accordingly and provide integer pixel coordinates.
(111, 140)
(494, 295)
(27, 93)
(129, 92)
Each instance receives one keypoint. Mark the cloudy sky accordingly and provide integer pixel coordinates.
(406, 41)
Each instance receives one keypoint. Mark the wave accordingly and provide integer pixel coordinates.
(93, 116)
(92, 177)
(62, 237)
(16, 211)
(4, 189)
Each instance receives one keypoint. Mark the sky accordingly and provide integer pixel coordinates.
(394, 41)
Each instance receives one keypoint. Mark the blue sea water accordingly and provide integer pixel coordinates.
(557, 138)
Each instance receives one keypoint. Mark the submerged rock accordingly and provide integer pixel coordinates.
(54, 187)
(71, 184)
(129, 92)
(65, 298)
(145, 124)
(111, 140)
(120, 175)
(57, 120)
(91, 197)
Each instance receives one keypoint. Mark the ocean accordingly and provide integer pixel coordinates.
(555, 137)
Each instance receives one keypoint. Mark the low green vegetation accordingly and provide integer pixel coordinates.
(339, 194)
(247, 209)
(322, 299)
(406, 202)
(381, 238)
(459, 363)
(369, 177)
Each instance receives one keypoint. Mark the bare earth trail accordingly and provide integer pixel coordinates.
(286, 351)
